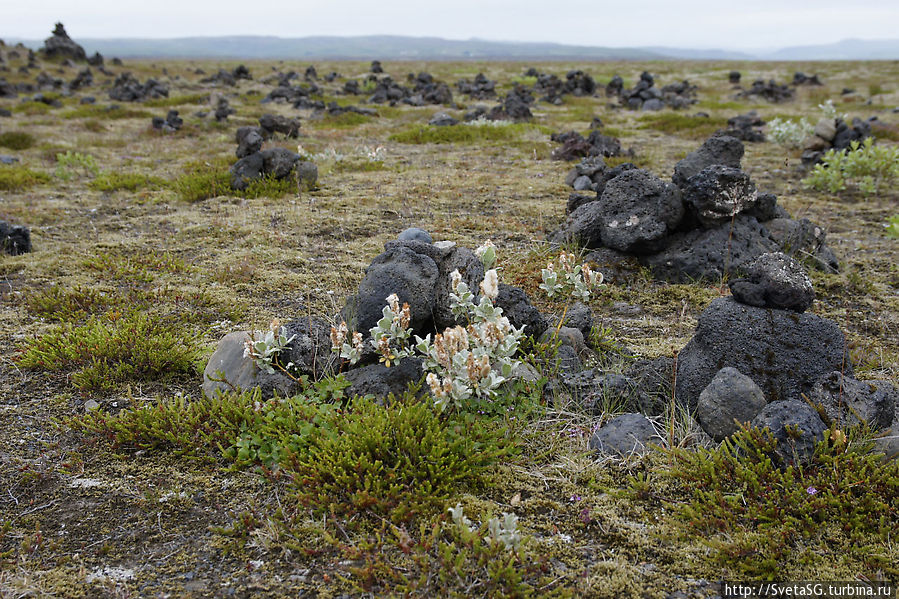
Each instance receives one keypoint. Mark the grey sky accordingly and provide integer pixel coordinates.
(683, 23)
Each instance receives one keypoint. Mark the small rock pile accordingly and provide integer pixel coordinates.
(645, 96)
(800, 78)
(418, 271)
(171, 123)
(757, 355)
(479, 89)
(770, 91)
(127, 88)
(60, 45)
(745, 127)
(279, 163)
(574, 145)
(83, 79)
(388, 91)
(833, 134)
(708, 222)
(428, 91)
(334, 108)
(14, 239)
(515, 106)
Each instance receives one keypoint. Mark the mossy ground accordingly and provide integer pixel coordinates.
(83, 518)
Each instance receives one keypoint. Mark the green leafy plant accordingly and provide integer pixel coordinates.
(71, 164)
(867, 167)
(264, 347)
(397, 462)
(892, 226)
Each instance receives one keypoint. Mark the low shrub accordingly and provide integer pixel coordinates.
(683, 125)
(115, 181)
(866, 167)
(177, 101)
(755, 516)
(203, 180)
(19, 178)
(16, 140)
(111, 112)
(113, 349)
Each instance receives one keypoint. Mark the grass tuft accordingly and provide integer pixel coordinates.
(19, 178)
(16, 140)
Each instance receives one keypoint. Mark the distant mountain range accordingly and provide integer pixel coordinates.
(392, 47)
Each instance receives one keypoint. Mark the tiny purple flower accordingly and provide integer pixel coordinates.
(811, 490)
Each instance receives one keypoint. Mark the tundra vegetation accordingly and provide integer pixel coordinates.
(118, 477)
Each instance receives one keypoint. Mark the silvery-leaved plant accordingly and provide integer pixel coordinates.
(390, 336)
(463, 362)
(487, 254)
(505, 531)
(348, 347)
(263, 351)
(574, 280)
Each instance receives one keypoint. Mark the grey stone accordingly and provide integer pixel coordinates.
(729, 398)
(826, 129)
(271, 124)
(625, 435)
(245, 170)
(798, 445)
(653, 104)
(415, 234)
(580, 317)
(888, 442)
(307, 174)
(766, 208)
(279, 162)
(582, 183)
(310, 347)
(774, 281)
(716, 193)
(14, 239)
(229, 370)
(783, 352)
(4, 159)
(804, 240)
(847, 401)
(722, 149)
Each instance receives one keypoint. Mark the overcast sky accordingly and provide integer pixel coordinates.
(682, 23)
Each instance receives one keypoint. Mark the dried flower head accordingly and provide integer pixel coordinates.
(490, 284)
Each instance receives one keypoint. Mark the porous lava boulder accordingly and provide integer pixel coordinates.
(411, 276)
(731, 398)
(709, 254)
(723, 150)
(14, 239)
(718, 192)
(636, 214)
(171, 123)
(847, 401)
(785, 353)
(795, 426)
(774, 281)
(519, 310)
(60, 45)
(625, 435)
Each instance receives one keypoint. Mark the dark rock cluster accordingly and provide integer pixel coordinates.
(126, 88)
(14, 239)
(645, 96)
(479, 89)
(708, 222)
(767, 90)
(61, 46)
(574, 145)
(800, 78)
(279, 163)
(745, 127)
(171, 123)
(833, 134)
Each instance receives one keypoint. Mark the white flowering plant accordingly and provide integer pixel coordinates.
(263, 347)
(501, 531)
(462, 362)
(572, 280)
